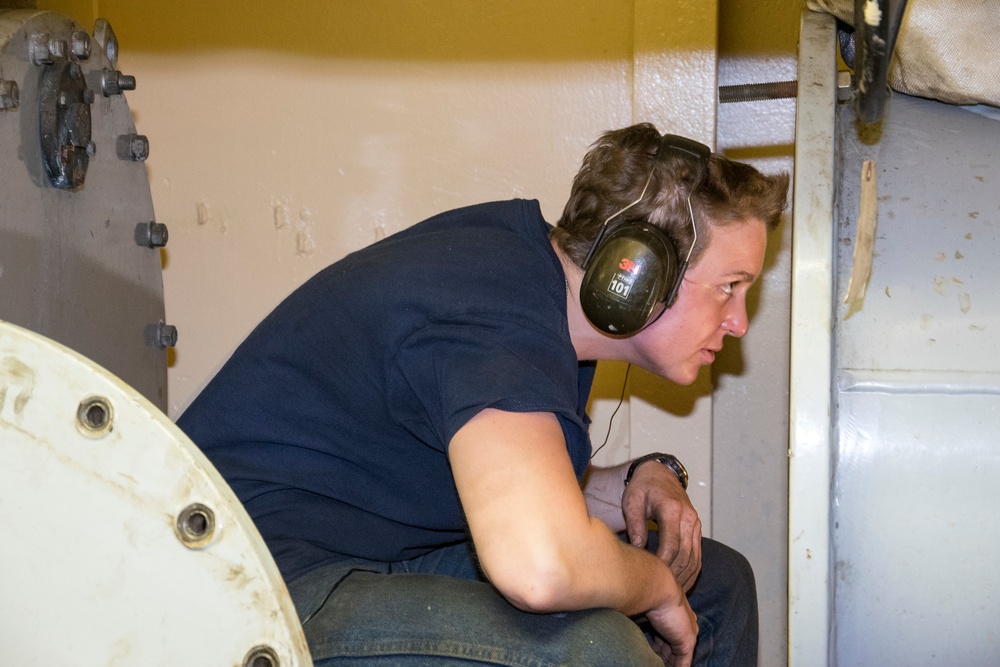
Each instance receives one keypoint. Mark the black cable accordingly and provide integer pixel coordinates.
(610, 421)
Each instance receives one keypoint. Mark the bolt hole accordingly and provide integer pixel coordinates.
(195, 525)
(261, 656)
(94, 416)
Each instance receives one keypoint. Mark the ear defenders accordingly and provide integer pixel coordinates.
(633, 272)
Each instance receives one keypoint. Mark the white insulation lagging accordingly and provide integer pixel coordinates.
(944, 50)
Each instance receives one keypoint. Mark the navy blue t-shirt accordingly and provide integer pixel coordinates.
(332, 420)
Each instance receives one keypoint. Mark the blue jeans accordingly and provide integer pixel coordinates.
(436, 610)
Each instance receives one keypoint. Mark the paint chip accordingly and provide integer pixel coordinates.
(202, 213)
(864, 242)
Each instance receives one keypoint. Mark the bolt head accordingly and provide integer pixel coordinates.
(58, 48)
(80, 45)
(109, 82)
(39, 52)
(166, 335)
(9, 95)
(139, 147)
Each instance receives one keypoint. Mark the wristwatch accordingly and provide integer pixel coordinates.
(668, 460)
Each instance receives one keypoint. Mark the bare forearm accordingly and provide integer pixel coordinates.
(603, 571)
(536, 539)
(602, 489)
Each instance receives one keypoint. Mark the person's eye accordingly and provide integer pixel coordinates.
(728, 288)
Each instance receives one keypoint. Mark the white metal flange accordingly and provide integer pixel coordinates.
(120, 544)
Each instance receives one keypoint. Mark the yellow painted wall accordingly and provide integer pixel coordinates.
(286, 134)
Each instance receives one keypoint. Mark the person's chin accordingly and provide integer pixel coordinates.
(684, 375)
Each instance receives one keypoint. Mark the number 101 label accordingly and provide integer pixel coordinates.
(620, 286)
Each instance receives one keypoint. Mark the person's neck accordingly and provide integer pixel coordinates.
(589, 342)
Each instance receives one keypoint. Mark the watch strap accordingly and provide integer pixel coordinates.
(668, 460)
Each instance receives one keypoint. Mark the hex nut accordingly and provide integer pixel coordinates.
(166, 335)
(9, 95)
(138, 146)
(80, 45)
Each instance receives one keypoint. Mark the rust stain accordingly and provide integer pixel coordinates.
(17, 382)
(939, 282)
(238, 575)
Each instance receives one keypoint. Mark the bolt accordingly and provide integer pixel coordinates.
(9, 96)
(151, 234)
(752, 92)
(114, 82)
(58, 49)
(63, 99)
(166, 335)
(39, 52)
(80, 45)
(844, 89)
(138, 147)
(91, 149)
(88, 96)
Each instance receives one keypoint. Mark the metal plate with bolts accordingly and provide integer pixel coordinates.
(72, 192)
(121, 543)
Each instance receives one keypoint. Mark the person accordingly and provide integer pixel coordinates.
(408, 429)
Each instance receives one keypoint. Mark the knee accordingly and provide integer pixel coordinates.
(606, 637)
(730, 569)
(726, 588)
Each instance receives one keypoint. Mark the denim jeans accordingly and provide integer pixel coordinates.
(436, 610)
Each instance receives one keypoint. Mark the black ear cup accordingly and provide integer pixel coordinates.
(633, 273)
(628, 278)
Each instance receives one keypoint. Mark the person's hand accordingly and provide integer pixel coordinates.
(676, 632)
(655, 493)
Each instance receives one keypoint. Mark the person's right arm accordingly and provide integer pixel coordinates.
(538, 544)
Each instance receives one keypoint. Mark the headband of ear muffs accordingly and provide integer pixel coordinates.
(633, 272)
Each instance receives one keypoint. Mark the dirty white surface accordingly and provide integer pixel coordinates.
(809, 597)
(91, 566)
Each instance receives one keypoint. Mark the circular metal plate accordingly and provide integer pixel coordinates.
(121, 544)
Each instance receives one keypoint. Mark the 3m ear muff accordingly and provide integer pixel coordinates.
(633, 272)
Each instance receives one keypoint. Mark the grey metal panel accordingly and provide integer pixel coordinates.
(917, 389)
(932, 302)
(70, 267)
(915, 527)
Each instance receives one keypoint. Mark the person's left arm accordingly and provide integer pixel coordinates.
(654, 493)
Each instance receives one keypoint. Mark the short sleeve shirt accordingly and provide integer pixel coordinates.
(332, 420)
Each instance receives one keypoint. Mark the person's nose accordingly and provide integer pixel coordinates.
(737, 323)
